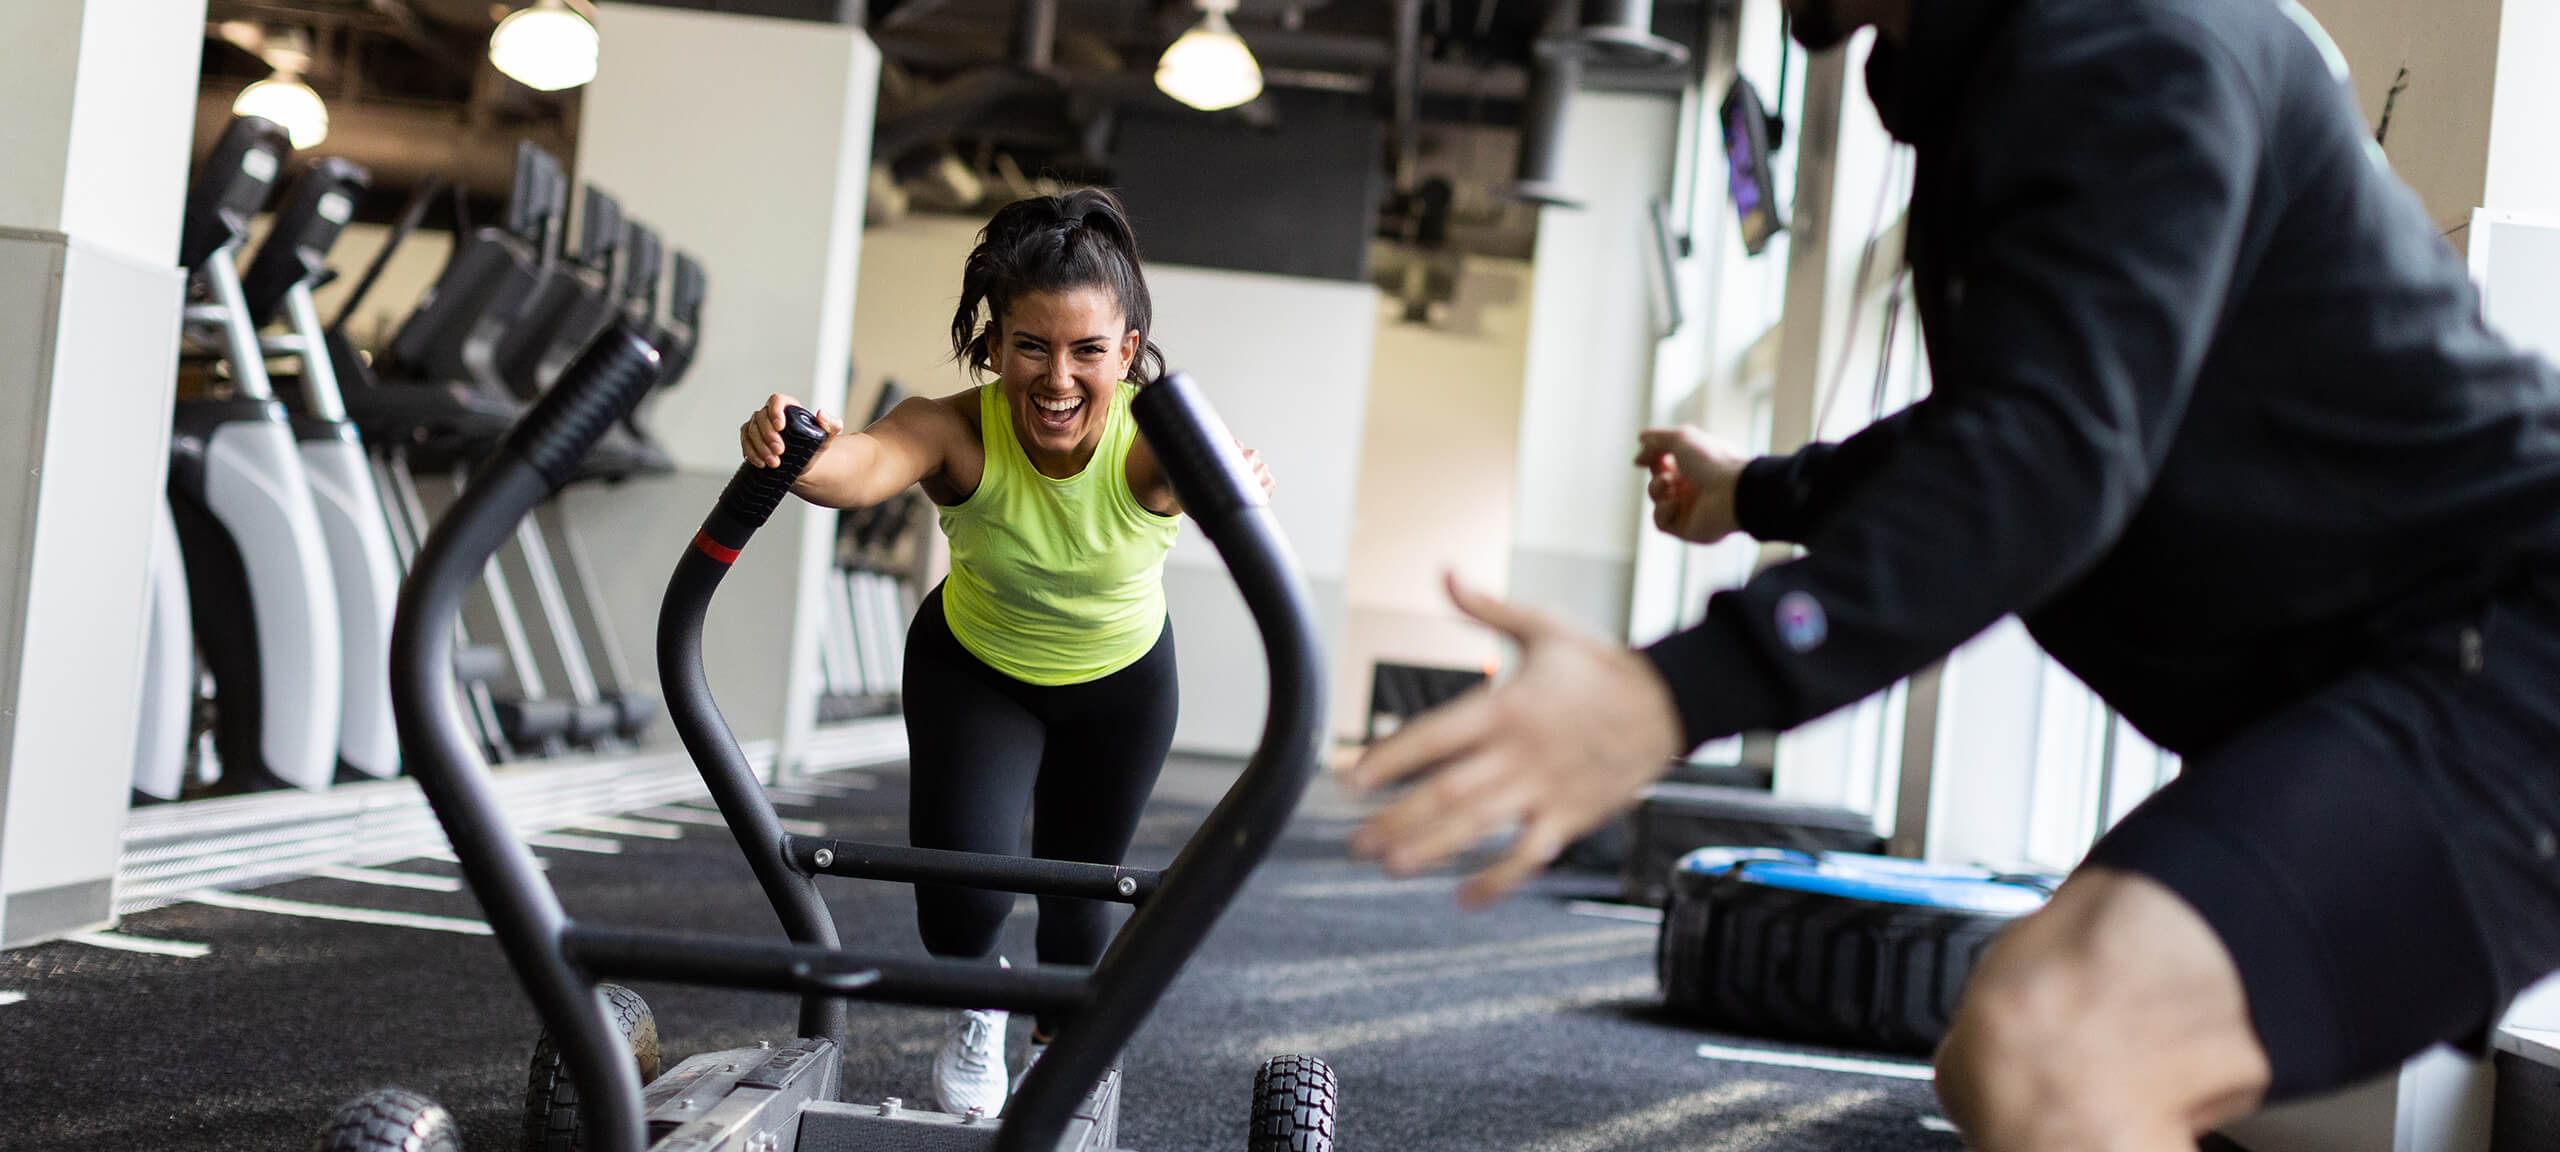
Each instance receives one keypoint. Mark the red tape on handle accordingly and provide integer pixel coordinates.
(712, 548)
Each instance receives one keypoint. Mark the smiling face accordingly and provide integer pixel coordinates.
(1061, 357)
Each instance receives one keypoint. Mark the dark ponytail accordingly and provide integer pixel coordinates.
(1053, 244)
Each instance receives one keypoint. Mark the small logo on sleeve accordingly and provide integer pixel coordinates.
(1802, 625)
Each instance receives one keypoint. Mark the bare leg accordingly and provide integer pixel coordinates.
(2113, 1020)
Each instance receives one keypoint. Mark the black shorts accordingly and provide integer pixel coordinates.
(2379, 857)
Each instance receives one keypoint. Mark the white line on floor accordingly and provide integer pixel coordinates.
(443, 856)
(389, 878)
(617, 826)
(1438, 959)
(1457, 1017)
(711, 818)
(1319, 987)
(1635, 1127)
(1410, 886)
(835, 784)
(1760, 1134)
(8, 998)
(182, 949)
(790, 797)
(708, 817)
(1631, 913)
(1938, 1124)
(1894, 1069)
(244, 902)
(572, 842)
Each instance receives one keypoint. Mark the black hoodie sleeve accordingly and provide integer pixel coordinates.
(1784, 499)
(2111, 186)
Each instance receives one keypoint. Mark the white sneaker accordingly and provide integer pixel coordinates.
(969, 1073)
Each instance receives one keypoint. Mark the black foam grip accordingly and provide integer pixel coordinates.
(596, 391)
(1193, 445)
(753, 493)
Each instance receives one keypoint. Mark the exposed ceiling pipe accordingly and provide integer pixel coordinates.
(1619, 34)
(1408, 78)
(1553, 78)
(956, 108)
(1035, 34)
(402, 147)
(404, 23)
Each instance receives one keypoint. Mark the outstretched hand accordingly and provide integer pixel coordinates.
(760, 438)
(1690, 477)
(1549, 754)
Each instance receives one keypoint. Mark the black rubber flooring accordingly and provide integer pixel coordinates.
(1531, 1027)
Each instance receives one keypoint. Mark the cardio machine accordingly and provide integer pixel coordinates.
(786, 1096)
(278, 286)
(261, 594)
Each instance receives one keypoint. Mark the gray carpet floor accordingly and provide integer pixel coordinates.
(1531, 1027)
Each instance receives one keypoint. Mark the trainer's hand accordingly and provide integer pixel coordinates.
(760, 438)
(1691, 477)
(1552, 751)
(1261, 471)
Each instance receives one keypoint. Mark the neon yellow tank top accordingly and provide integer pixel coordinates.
(1055, 581)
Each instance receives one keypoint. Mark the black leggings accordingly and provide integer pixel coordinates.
(983, 748)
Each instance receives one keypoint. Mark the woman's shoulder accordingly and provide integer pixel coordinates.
(955, 412)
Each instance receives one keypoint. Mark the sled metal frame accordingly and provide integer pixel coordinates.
(759, 1100)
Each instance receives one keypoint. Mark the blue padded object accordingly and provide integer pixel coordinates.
(1885, 879)
(1713, 860)
(1966, 889)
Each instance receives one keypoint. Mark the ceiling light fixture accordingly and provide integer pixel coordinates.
(283, 97)
(546, 47)
(1210, 68)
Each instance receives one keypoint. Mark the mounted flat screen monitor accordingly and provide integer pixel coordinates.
(1754, 183)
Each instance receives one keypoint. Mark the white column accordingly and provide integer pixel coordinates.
(1301, 401)
(101, 98)
(746, 141)
(1589, 383)
(2524, 169)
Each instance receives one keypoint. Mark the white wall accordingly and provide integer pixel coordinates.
(100, 96)
(2523, 166)
(1589, 380)
(902, 308)
(2439, 134)
(746, 141)
(1286, 362)
(107, 342)
(1435, 482)
(86, 95)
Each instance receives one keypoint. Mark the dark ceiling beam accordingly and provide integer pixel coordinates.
(403, 145)
(408, 29)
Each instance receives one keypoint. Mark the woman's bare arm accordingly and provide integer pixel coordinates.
(854, 470)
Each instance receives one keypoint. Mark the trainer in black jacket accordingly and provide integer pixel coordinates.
(2215, 412)
(2212, 400)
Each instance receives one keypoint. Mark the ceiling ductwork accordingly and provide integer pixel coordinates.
(985, 98)
(1537, 175)
(405, 146)
(1619, 34)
